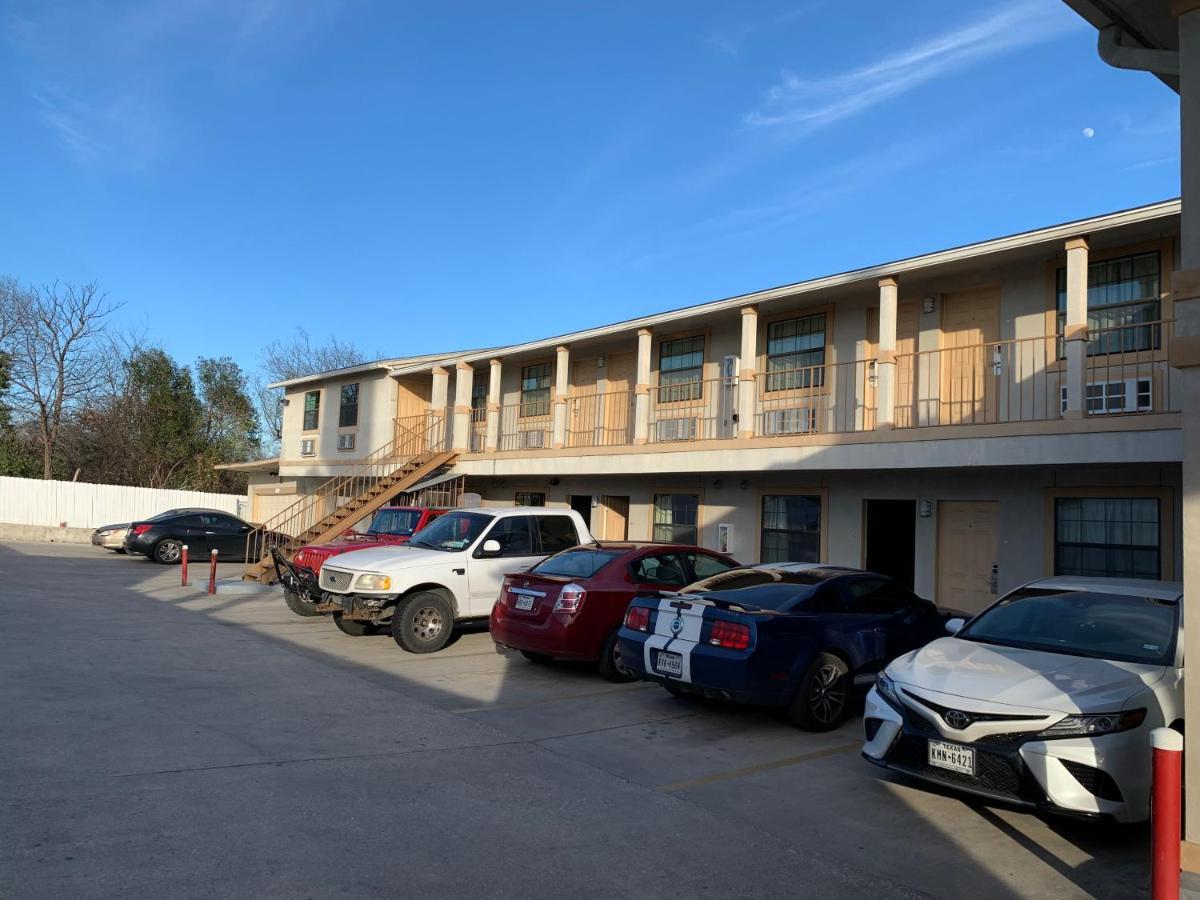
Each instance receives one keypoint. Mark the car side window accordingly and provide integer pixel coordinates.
(825, 599)
(877, 596)
(191, 521)
(512, 533)
(660, 568)
(705, 566)
(556, 532)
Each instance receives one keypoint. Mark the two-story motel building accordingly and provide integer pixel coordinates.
(963, 420)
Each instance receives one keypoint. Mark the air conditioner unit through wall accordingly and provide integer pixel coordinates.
(1122, 395)
(795, 420)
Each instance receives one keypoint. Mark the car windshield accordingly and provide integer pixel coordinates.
(453, 531)
(582, 563)
(1121, 627)
(395, 521)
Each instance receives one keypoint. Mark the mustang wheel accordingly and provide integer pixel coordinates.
(610, 665)
(422, 622)
(298, 604)
(821, 702)
(168, 552)
(353, 627)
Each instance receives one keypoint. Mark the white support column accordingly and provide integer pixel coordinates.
(748, 365)
(641, 400)
(885, 358)
(491, 440)
(1075, 331)
(464, 377)
(438, 395)
(1185, 356)
(562, 377)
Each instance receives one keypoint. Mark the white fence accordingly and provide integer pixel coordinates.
(30, 501)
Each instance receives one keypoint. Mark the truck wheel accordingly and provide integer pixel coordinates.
(298, 604)
(821, 702)
(422, 622)
(610, 665)
(168, 552)
(353, 627)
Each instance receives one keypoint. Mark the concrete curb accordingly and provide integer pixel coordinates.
(46, 534)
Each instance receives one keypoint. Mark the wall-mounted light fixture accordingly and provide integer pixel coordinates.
(925, 509)
(284, 401)
(600, 361)
(929, 304)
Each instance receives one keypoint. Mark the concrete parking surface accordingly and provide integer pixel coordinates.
(157, 742)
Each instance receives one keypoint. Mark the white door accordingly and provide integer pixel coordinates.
(485, 574)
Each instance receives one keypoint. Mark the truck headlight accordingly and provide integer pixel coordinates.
(371, 582)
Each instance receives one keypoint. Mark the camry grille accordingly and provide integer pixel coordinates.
(335, 580)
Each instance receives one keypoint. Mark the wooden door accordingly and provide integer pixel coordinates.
(967, 549)
(614, 518)
(970, 324)
(620, 372)
(907, 328)
(584, 405)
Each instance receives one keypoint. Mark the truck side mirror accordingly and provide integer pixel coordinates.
(490, 548)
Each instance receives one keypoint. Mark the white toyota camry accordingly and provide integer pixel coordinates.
(1045, 699)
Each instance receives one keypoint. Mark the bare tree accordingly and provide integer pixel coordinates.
(57, 361)
(295, 358)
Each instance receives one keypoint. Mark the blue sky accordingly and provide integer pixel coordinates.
(429, 176)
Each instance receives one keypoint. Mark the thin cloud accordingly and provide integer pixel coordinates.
(804, 105)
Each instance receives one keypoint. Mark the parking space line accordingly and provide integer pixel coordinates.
(523, 704)
(754, 770)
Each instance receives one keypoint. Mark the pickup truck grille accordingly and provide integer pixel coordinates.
(336, 580)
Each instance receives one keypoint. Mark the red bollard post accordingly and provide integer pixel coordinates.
(212, 573)
(183, 582)
(1165, 815)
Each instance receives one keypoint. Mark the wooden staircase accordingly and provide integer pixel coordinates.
(344, 500)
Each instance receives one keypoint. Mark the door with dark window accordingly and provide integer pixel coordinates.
(891, 539)
(582, 505)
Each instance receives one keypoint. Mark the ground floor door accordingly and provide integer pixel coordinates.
(612, 519)
(891, 538)
(967, 550)
(582, 504)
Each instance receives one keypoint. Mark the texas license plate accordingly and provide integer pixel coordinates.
(524, 601)
(952, 757)
(669, 663)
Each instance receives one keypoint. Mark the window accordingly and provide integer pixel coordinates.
(479, 390)
(1109, 537)
(877, 596)
(348, 413)
(705, 566)
(582, 563)
(681, 370)
(1122, 304)
(676, 518)
(662, 568)
(556, 533)
(791, 528)
(312, 410)
(529, 498)
(512, 533)
(535, 390)
(795, 351)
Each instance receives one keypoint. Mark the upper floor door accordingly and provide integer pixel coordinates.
(970, 329)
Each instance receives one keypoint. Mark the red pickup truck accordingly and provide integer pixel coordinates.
(389, 525)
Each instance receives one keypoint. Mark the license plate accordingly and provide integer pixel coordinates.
(523, 602)
(669, 663)
(952, 757)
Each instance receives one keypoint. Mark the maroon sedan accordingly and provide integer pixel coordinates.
(570, 605)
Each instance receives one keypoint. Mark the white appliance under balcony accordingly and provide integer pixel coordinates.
(793, 420)
(1121, 395)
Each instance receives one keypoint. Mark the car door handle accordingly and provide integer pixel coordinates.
(459, 571)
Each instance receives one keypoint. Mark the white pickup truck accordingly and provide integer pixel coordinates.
(450, 571)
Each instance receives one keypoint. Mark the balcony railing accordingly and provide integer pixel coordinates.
(600, 419)
(693, 411)
(829, 399)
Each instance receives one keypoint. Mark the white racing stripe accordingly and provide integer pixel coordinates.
(682, 643)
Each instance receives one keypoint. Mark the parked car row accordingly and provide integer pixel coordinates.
(1044, 700)
(163, 536)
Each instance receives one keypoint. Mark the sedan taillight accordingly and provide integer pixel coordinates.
(729, 635)
(637, 618)
(570, 599)
(141, 529)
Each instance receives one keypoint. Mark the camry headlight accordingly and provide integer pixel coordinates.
(373, 583)
(886, 688)
(1095, 724)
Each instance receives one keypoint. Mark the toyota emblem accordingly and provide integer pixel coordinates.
(956, 719)
(677, 624)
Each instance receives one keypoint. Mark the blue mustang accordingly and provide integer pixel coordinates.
(789, 635)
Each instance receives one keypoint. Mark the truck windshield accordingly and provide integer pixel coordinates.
(395, 521)
(453, 531)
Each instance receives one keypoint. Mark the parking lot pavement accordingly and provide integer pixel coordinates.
(162, 743)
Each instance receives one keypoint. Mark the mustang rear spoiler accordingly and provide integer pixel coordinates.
(677, 599)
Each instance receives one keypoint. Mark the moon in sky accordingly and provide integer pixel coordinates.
(1089, 132)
